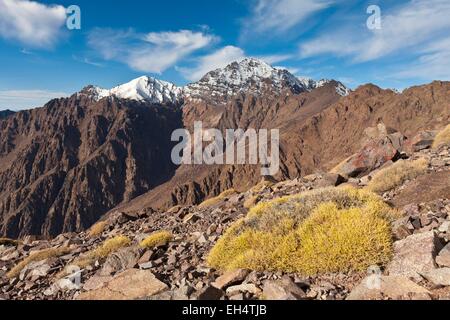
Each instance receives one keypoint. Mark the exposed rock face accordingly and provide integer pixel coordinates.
(284, 289)
(129, 285)
(179, 270)
(415, 255)
(6, 113)
(318, 130)
(391, 287)
(423, 140)
(374, 155)
(64, 165)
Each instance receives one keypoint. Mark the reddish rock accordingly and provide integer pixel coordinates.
(423, 140)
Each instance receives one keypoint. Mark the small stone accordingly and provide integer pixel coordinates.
(210, 293)
(123, 259)
(378, 287)
(443, 259)
(131, 284)
(191, 218)
(400, 229)
(146, 257)
(249, 287)
(284, 289)
(146, 266)
(230, 278)
(416, 223)
(439, 277)
(415, 255)
(96, 282)
(445, 227)
(237, 297)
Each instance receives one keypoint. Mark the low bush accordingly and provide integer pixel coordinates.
(396, 174)
(103, 251)
(157, 239)
(35, 257)
(326, 230)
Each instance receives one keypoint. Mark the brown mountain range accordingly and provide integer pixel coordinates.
(65, 165)
(318, 130)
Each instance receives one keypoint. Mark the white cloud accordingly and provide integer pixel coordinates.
(279, 16)
(413, 25)
(24, 99)
(213, 61)
(31, 23)
(153, 52)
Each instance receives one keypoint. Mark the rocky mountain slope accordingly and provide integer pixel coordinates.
(66, 164)
(174, 264)
(6, 113)
(318, 130)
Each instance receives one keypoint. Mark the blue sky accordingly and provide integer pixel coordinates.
(179, 41)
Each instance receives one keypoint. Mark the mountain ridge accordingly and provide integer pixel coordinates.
(249, 75)
(66, 164)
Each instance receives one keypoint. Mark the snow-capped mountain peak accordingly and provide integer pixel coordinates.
(249, 75)
(144, 88)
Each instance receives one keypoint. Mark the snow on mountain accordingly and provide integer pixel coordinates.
(141, 89)
(248, 75)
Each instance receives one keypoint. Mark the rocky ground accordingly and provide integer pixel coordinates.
(420, 268)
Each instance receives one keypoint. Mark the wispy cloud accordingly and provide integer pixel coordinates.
(432, 64)
(23, 99)
(87, 61)
(26, 52)
(274, 17)
(215, 60)
(407, 29)
(31, 23)
(153, 52)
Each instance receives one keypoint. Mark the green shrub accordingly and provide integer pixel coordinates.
(326, 230)
(396, 174)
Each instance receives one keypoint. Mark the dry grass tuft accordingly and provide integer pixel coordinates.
(35, 257)
(97, 229)
(214, 201)
(442, 138)
(103, 251)
(251, 201)
(397, 174)
(261, 186)
(157, 239)
(326, 230)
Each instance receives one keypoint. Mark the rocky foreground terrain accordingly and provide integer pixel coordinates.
(176, 267)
